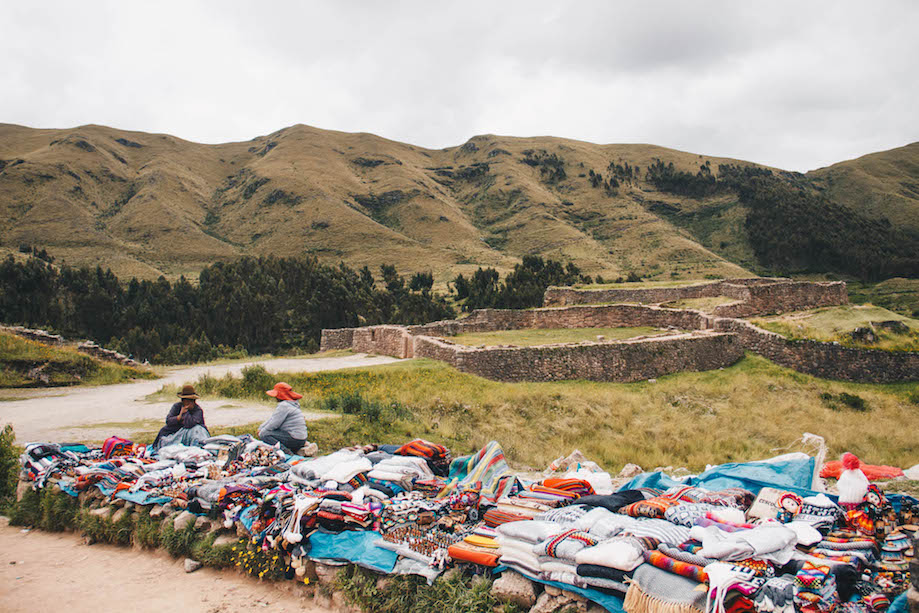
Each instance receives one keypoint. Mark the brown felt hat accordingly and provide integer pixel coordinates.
(188, 391)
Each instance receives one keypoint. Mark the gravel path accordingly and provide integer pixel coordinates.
(95, 413)
(40, 571)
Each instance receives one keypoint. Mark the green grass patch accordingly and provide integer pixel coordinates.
(457, 593)
(531, 337)
(745, 412)
(60, 365)
(706, 305)
(833, 324)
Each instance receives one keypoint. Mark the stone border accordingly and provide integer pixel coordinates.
(756, 296)
(630, 360)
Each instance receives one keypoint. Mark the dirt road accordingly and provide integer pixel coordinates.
(95, 413)
(40, 571)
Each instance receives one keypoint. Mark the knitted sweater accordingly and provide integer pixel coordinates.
(287, 417)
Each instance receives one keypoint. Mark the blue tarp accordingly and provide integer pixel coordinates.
(355, 547)
(794, 475)
(142, 497)
(611, 603)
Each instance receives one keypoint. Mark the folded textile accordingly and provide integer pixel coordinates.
(685, 514)
(815, 588)
(602, 572)
(684, 556)
(603, 523)
(569, 484)
(565, 545)
(468, 552)
(623, 553)
(531, 531)
(497, 517)
(612, 502)
(772, 542)
(672, 565)
(653, 590)
(562, 515)
(659, 529)
(653, 507)
(487, 467)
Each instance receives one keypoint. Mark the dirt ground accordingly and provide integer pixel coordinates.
(40, 571)
(79, 414)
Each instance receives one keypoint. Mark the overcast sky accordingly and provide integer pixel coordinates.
(796, 85)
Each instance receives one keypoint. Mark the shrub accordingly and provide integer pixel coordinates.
(9, 463)
(179, 543)
(844, 400)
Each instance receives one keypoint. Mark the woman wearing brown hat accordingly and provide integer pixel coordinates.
(184, 423)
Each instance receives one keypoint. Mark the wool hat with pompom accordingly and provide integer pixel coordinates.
(852, 484)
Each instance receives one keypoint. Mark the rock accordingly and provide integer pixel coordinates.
(225, 540)
(325, 573)
(553, 591)
(183, 519)
(241, 531)
(129, 505)
(309, 450)
(546, 603)
(191, 565)
(168, 509)
(202, 523)
(512, 587)
(157, 511)
(118, 503)
(863, 335)
(119, 514)
(101, 511)
(892, 325)
(630, 470)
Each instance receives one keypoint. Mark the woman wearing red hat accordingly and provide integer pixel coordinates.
(286, 426)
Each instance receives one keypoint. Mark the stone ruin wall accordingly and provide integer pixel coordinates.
(616, 360)
(752, 296)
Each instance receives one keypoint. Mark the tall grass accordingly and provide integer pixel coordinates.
(751, 410)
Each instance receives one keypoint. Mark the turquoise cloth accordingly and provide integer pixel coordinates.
(793, 475)
(354, 547)
(142, 498)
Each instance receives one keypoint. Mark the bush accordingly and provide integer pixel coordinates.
(845, 400)
(9, 463)
(179, 543)
(49, 509)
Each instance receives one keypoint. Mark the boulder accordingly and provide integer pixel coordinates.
(513, 588)
(325, 573)
(101, 511)
(202, 523)
(191, 565)
(630, 470)
(241, 531)
(21, 488)
(120, 514)
(863, 335)
(157, 511)
(225, 540)
(183, 519)
(892, 325)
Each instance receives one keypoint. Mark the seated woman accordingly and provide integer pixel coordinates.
(286, 425)
(184, 423)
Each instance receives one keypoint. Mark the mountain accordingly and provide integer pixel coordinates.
(150, 204)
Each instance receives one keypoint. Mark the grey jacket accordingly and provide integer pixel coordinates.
(287, 417)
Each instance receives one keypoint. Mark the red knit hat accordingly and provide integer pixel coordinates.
(283, 391)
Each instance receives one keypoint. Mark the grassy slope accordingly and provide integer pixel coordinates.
(748, 411)
(884, 184)
(65, 366)
(834, 324)
(155, 203)
(526, 338)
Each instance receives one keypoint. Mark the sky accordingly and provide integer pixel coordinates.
(796, 85)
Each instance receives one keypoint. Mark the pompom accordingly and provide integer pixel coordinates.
(850, 461)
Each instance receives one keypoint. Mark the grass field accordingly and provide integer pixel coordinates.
(834, 324)
(748, 411)
(705, 305)
(62, 365)
(899, 295)
(528, 338)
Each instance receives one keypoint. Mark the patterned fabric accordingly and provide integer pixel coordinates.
(736, 497)
(684, 556)
(496, 517)
(487, 467)
(564, 515)
(565, 545)
(653, 507)
(685, 514)
(815, 588)
(659, 529)
(672, 565)
(553, 493)
(575, 486)
(776, 596)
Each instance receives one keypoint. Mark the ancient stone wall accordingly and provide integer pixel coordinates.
(436, 349)
(826, 360)
(757, 296)
(337, 338)
(394, 341)
(623, 361)
(40, 336)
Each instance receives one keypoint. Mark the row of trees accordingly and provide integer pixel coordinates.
(522, 288)
(248, 305)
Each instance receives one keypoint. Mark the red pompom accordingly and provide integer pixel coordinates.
(850, 461)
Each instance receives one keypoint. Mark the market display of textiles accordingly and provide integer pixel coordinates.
(737, 538)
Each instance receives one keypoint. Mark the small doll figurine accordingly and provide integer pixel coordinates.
(789, 504)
